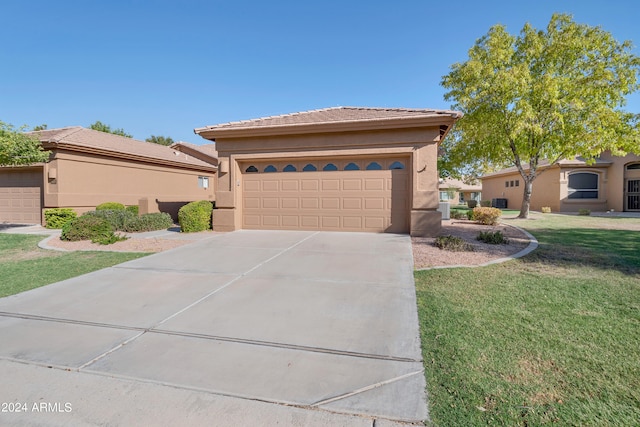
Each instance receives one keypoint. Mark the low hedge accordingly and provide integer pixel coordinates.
(195, 216)
(118, 218)
(134, 209)
(58, 217)
(149, 222)
(90, 227)
(110, 206)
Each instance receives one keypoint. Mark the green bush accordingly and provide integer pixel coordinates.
(485, 203)
(57, 217)
(458, 214)
(452, 243)
(110, 206)
(149, 222)
(472, 203)
(195, 216)
(584, 212)
(471, 215)
(118, 218)
(493, 237)
(134, 209)
(90, 227)
(486, 216)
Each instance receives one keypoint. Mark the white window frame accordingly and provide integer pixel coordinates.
(203, 182)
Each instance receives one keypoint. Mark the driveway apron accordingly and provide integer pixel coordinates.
(300, 319)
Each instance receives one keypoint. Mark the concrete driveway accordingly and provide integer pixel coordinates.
(250, 327)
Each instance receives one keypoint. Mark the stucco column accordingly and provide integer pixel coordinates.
(426, 220)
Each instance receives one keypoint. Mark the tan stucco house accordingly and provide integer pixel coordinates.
(88, 167)
(342, 169)
(458, 192)
(611, 182)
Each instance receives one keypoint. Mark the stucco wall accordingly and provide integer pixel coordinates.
(545, 192)
(83, 181)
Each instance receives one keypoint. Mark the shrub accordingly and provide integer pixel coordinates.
(90, 227)
(472, 203)
(471, 215)
(486, 216)
(485, 203)
(118, 218)
(134, 209)
(584, 212)
(57, 217)
(545, 209)
(458, 214)
(110, 206)
(452, 243)
(493, 237)
(195, 216)
(149, 222)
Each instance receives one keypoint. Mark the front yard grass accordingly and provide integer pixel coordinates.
(24, 266)
(551, 338)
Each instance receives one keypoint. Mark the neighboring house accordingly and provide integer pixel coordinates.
(342, 168)
(88, 167)
(610, 183)
(456, 191)
(205, 152)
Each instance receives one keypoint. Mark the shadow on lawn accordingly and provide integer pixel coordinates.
(606, 249)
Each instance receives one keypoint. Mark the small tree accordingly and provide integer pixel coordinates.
(98, 125)
(18, 148)
(160, 140)
(543, 95)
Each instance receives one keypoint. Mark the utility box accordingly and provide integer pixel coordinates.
(499, 203)
(445, 209)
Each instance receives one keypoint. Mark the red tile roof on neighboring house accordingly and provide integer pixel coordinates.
(334, 115)
(207, 150)
(78, 138)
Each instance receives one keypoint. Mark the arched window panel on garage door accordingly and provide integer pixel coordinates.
(309, 168)
(351, 167)
(396, 165)
(330, 167)
(251, 169)
(374, 166)
(270, 168)
(289, 168)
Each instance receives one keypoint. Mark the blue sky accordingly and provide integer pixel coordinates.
(166, 67)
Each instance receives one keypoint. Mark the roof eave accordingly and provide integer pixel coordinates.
(213, 132)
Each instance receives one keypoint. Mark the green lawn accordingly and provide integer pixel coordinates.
(552, 338)
(24, 266)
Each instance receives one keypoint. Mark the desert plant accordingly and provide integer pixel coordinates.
(458, 214)
(57, 217)
(118, 218)
(472, 203)
(452, 243)
(486, 216)
(545, 209)
(584, 212)
(493, 237)
(148, 222)
(195, 216)
(485, 203)
(134, 209)
(471, 215)
(90, 227)
(110, 206)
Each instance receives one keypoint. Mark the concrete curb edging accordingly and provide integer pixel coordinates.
(533, 245)
(44, 244)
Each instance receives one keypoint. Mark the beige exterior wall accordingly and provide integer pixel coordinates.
(82, 181)
(418, 146)
(551, 188)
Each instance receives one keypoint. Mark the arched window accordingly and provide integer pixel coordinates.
(352, 167)
(289, 168)
(583, 185)
(309, 168)
(374, 166)
(396, 165)
(270, 168)
(633, 166)
(330, 167)
(251, 169)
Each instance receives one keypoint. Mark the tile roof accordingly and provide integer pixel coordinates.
(206, 149)
(461, 185)
(543, 164)
(82, 139)
(332, 115)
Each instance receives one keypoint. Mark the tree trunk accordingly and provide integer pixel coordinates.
(526, 199)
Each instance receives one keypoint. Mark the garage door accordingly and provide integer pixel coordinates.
(20, 196)
(341, 195)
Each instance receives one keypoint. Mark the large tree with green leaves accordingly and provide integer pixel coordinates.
(160, 140)
(543, 95)
(106, 128)
(18, 148)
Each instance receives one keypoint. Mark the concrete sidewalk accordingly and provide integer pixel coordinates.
(249, 327)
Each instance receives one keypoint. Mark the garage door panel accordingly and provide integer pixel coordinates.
(355, 200)
(21, 196)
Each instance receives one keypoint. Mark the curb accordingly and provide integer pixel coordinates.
(533, 245)
(44, 244)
